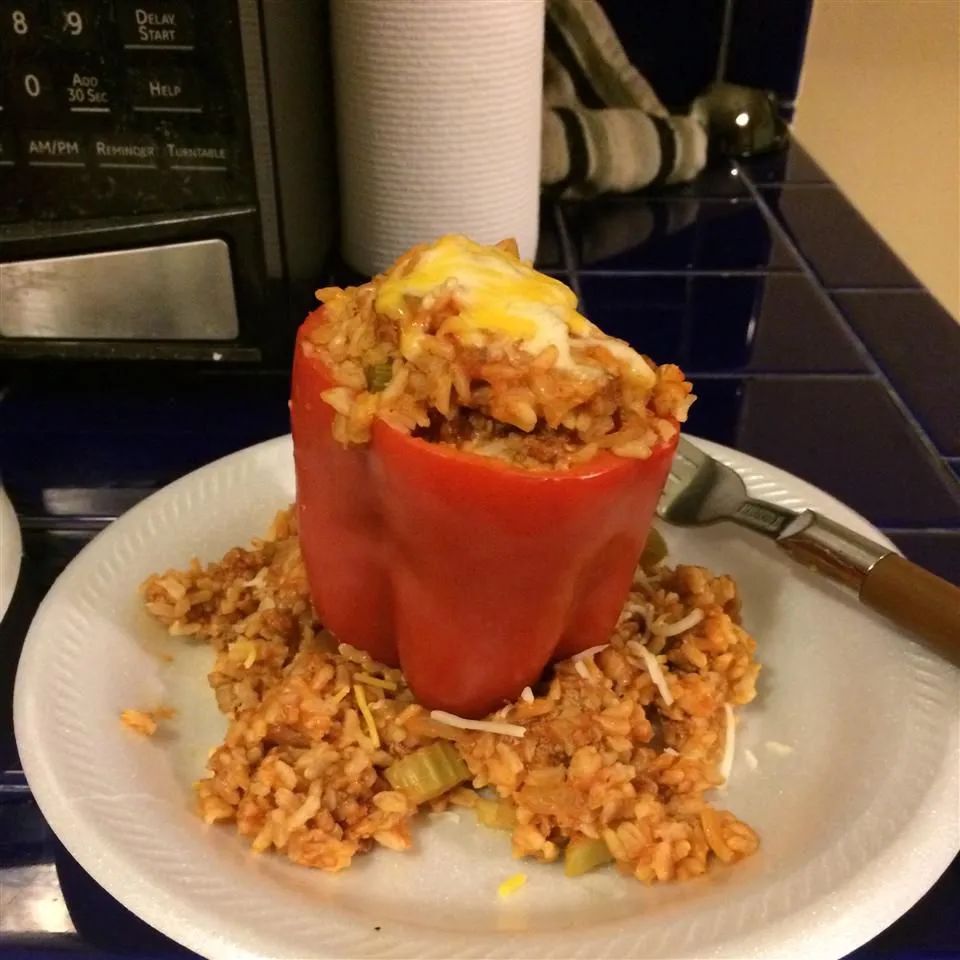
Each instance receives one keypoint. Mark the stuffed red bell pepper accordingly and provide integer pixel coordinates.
(477, 468)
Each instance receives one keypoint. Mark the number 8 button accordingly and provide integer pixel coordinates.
(20, 24)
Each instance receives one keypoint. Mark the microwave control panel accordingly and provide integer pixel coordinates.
(113, 108)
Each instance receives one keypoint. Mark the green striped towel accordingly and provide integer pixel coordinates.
(604, 129)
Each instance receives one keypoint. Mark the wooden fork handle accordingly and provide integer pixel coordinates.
(907, 594)
(916, 599)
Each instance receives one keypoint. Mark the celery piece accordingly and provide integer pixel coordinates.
(428, 772)
(584, 854)
(496, 814)
(378, 376)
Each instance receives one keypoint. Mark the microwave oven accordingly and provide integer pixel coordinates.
(166, 176)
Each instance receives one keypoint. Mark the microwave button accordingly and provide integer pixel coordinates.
(20, 24)
(74, 23)
(166, 90)
(87, 89)
(196, 154)
(124, 151)
(30, 89)
(156, 25)
(51, 149)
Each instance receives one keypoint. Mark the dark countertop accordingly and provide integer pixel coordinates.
(809, 343)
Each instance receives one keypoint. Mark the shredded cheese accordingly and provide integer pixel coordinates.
(526, 695)
(780, 749)
(589, 653)
(679, 626)
(634, 609)
(340, 694)
(581, 668)
(729, 742)
(654, 669)
(375, 681)
(511, 885)
(751, 758)
(484, 726)
(354, 654)
(361, 696)
(670, 752)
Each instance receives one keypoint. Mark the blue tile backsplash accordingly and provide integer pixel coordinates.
(682, 46)
(808, 342)
(675, 45)
(766, 44)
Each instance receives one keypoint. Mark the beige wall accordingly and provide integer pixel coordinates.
(879, 109)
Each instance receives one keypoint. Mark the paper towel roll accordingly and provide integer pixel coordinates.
(438, 123)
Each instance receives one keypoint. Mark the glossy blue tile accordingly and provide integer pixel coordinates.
(773, 322)
(843, 249)
(917, 343)
(25, 837)
(843, 434)
(939, 552)
(636, 234)
(791, 165)
(104, 924)
(767, 42)
(106, 440)
(720, 180)
(674, 45)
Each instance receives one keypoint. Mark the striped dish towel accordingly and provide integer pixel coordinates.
(604, 129)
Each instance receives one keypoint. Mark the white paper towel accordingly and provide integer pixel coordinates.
(438, 123)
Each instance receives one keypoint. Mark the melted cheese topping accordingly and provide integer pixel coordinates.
(497, 293)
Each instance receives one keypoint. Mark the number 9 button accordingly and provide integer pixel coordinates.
(72, 22)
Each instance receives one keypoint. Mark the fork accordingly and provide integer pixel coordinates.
(700, 490)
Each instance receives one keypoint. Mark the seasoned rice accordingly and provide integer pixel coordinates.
(139, 721)
(483, 391)
(313, 725)
(145, 722)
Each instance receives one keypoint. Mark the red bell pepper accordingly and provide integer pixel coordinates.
(468, 573)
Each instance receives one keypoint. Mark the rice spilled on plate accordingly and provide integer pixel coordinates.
(609, 757)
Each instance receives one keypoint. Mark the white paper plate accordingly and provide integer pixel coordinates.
(11, 549)
(856, 822)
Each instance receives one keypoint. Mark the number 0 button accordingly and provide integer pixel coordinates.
(31, 89)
